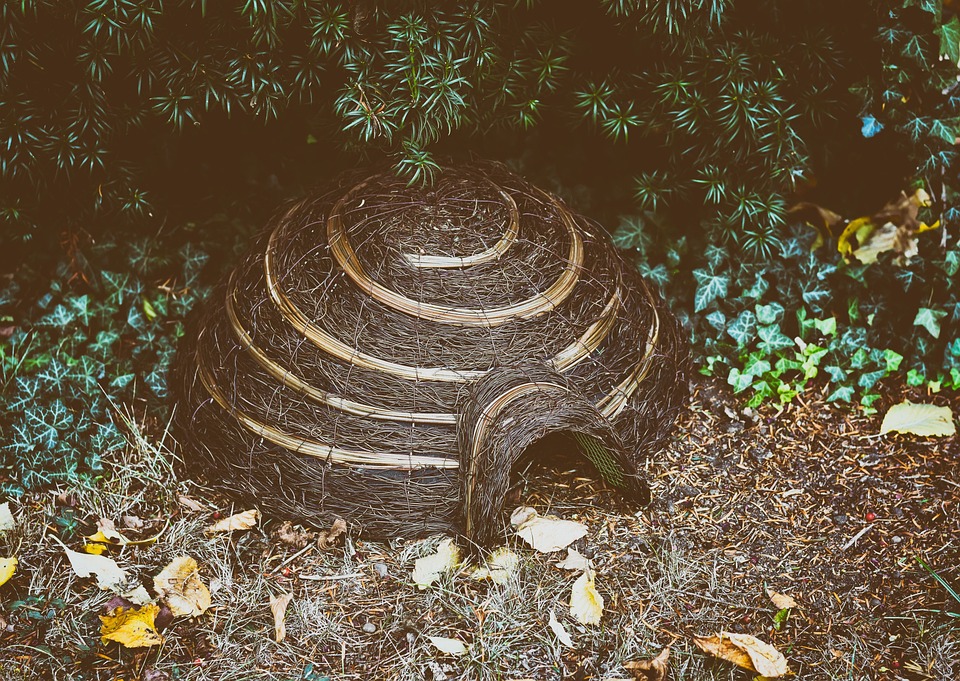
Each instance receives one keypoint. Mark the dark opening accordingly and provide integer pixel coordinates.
(559, 461)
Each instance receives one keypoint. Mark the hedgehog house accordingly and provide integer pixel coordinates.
(388, 353)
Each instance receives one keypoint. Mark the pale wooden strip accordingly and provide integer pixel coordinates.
(317, 449)
(291, 380)
(343, 253)
(488, 255)
(591, 339)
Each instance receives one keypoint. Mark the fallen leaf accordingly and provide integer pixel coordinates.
(557, 627)
(131, 627)
(180, 587)
(106, 535)
(6, 518)
(7, 567)
(500, 566)
(781, 601)
(450, 646)
(138, 596)
(428, 569)
(109, 575)
(278, 606)
(654, 669)
(586, 603)
(926, 420)
(132, 522)
(191, 504)
(238, 521)
(545, 533)
(893, 228)
(823, 220)
(574, 561)
(745, 651)
(288, 534)
(327, 538)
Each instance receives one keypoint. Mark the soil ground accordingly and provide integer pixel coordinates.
(809, 501)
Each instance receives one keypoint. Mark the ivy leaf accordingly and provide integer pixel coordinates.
(769, 314)
(743, 329)
(739, 381)
(759, 287)
(772, 339)
(842, 394)
(710, 287)
(756, 365)
(930, 320)
(717, 320)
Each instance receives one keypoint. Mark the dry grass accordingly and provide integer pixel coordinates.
(743, 503)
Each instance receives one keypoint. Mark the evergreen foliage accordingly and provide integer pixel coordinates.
(710, 105)
(700, 120)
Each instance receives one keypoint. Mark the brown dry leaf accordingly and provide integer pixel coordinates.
(106, 535)
(180, 587)
(7, 567)
(278, 606)
(782, 601)
(745, 651)
(654, 669)
(131, 627)
(238, 521)
(823, 220)
(132, 522)
(327, 538)
(288, 534)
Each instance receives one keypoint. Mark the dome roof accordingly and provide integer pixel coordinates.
(386, 353)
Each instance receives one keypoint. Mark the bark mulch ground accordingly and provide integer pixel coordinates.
(809, 501)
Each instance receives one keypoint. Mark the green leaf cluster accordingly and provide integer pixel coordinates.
(95, 345)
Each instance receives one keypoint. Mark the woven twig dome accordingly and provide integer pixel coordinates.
(387, 353)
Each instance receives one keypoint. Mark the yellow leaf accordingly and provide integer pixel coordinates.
(654, 669)
(745, 651)
(499, 567)
(781, 601)
(7, 567)
(131, 627)
(556, 626)
(238, 521)
(586, 603)
(428, 569)
(545, 533)
(574, 561)
(181, 589)
(278, 606)
(107, 533)
(95, 549)
(926, 420)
